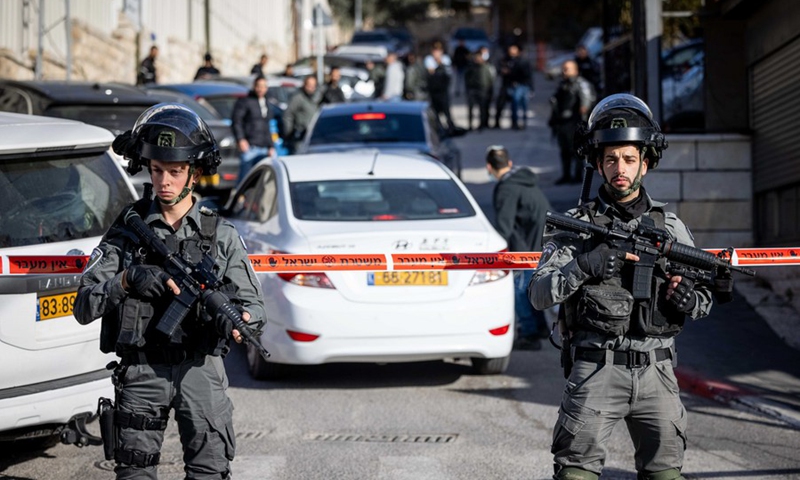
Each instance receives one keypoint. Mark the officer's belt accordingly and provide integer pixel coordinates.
(629, 358)
(164, 356)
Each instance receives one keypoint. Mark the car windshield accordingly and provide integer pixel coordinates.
(59, 198)
(379, 200)
(223, 104)
(371, 38)
(470, 34)
(116, 118)
(368, 127)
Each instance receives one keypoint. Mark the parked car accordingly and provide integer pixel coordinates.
(592, 39)
(355, 82)
(60, 191)
(360, 203)
(222, 95)
(381, 37)
(227, 175)
(682, 86)
(474, 39)
(115, 107)
(280, 89)
(396, 127)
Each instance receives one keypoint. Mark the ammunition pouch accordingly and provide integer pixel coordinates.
(134, 316)
(605, 308)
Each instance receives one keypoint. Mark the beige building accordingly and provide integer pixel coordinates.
(108, 38)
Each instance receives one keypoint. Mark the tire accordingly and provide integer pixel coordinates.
(490, 366)
(261, 369)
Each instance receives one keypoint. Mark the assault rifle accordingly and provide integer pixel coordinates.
(649, 244)
(197, 283)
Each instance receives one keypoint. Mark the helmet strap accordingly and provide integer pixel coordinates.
(187, 189)
(635, 185)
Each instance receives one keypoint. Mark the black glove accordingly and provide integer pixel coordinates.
(723, 286)
(148, 281)
(683, 296)
(602, 262)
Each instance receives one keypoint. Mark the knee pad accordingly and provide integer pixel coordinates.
(573, 473)
(670, 474)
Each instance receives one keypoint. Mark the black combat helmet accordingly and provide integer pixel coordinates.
(169, 132)
(621, 119)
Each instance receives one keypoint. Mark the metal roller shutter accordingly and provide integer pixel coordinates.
(775, 110)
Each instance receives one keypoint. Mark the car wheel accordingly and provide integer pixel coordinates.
(490, 366)
(261, 369)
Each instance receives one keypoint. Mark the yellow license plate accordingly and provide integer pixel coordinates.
(399, 279)
(54, 306)
(209, 180)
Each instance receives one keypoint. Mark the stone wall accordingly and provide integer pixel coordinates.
(707, 180)
(112, 58)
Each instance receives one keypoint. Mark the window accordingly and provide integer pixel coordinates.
(379, 200)
(257, 200)
(56, 199)
(368, 127)
(116, 118)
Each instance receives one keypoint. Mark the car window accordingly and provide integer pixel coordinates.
(269, 196)
(370, 37)
(116, 118)
(470, 34)
(368, 127)
(246, 204)
(379, 200)
(223, 104)
(59, 198)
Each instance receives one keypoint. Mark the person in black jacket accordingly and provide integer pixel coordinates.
(251, 116)
(520, 214)
(332, 90)
(570, 103)
(517, 83)
(147, 69)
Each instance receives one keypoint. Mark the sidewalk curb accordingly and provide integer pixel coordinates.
(735, 397)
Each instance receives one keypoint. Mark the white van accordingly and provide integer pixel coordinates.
(60, 190)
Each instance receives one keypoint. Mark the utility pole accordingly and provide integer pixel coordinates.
(208, 25)
(40, 47)
(359, 17)
(68, 28)
(320, 43)
(639, 43)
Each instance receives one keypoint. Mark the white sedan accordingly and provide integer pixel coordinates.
(365, 202)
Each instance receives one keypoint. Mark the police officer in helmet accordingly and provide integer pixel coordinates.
(124, 285)
(622, 350)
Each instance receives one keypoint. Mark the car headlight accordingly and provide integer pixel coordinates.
(226, 142)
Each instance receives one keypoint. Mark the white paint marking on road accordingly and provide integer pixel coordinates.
(411, 468)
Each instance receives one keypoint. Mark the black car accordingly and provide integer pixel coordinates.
(397, 127)
(113, 106)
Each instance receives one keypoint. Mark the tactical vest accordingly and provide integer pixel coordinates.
(131, 325)
(607, 306)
